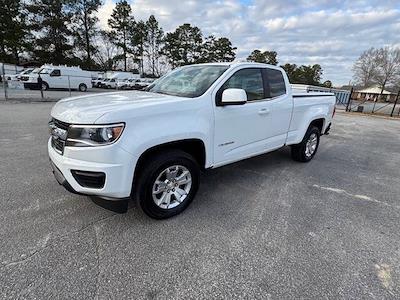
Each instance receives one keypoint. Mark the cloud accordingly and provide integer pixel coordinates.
(104, 13)
(332, 33)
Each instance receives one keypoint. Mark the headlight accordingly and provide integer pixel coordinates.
(93, 135)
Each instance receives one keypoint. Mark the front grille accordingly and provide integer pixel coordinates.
(24, 78)
(58, 131)
(58, 145)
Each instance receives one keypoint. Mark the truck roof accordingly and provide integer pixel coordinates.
(237, 63)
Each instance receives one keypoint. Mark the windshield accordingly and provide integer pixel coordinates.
(191, 81)
(37, 70)
(45, 71)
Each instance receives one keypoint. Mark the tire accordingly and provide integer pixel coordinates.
(82, 87)
(44, 86)
(148, 193)
(306, 150)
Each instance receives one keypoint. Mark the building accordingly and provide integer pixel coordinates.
(373, 94)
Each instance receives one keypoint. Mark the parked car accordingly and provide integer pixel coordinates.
(151, 145)
(59, 77)
(97, 81)
(131, 83)
(117, 77)
(142, 83)
(14, 77)
(104, 82)
(31, 79)
(125, 84)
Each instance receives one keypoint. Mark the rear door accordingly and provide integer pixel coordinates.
(281, 102)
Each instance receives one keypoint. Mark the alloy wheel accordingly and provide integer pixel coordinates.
(172, 186)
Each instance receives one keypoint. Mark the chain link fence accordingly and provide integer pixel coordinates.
(347, 100)
(32, 86)
(377, 106)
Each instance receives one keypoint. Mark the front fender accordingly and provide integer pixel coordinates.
(142, 134)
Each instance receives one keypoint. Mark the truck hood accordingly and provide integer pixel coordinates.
(88, 109)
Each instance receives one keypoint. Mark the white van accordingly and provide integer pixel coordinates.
(60, 77)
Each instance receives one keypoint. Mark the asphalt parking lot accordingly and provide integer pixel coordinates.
(26, 95)
(264, 228)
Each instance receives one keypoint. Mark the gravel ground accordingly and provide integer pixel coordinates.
(264, 228)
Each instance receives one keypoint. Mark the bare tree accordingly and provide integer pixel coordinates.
(365, 68)
(388, 63)
(107, 52)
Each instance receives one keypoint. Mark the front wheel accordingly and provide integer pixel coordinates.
(308, 147)
(167, 184)
(82, 87)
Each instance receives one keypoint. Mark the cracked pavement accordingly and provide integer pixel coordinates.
(264, 228)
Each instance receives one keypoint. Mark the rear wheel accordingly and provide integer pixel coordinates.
(308, 147)
(82, 87)
(167, 184)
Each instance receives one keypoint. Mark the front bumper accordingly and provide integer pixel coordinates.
(31, 85)
(117, 164)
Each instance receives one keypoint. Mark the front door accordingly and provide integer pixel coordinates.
(56, 80)
(242, 130)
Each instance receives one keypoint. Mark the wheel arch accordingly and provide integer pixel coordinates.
(194, 147)
(319, 123)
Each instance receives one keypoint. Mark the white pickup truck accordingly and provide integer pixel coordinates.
(151, 145)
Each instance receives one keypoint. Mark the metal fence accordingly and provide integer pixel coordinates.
(45, 87)
(38, 89)
(345, 100)
(386, 108)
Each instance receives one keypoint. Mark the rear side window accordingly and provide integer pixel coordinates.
(275, 82)
(249, 80)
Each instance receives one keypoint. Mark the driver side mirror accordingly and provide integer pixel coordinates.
(234, 97)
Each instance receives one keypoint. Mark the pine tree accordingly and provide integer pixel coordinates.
(14, 31)
(218, 50)
(153, 44)
(121, 23)
(85, 27)
(137, 41)
(184, 45)
(266, 57)
(51, 19)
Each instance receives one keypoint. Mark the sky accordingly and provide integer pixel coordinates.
(331, 33)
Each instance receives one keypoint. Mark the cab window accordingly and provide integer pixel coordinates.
(275, 83)
(55, 73)
(250, 80)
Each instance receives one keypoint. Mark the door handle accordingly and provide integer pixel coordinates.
(263, 111)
